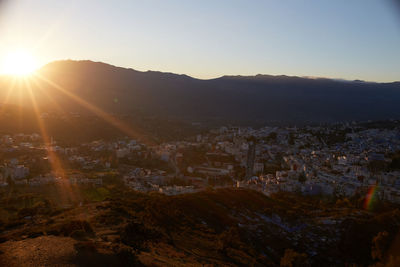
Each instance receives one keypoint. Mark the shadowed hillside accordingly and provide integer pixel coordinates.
(229, 99)
(229, 227)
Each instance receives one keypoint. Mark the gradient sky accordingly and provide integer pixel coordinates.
(351, 39)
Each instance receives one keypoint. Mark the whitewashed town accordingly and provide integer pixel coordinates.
(340, 160)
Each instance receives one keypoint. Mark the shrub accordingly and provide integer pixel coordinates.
(292, 258)
(75, 228)
(136, 235)
(380, 244)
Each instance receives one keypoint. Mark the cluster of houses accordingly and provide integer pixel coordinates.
(146, 180)
(341, 159)
(343, 169)
(312, 160)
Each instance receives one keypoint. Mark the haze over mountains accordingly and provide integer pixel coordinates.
(228, 99)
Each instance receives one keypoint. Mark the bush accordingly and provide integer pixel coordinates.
(292, 258)
(91, 254)
(76, 228)
(380, 244)
(136, 235)
(24, 212)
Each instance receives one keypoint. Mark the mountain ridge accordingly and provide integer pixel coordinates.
(241, 100)
(258, 75)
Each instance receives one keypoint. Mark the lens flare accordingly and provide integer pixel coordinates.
(370, 197)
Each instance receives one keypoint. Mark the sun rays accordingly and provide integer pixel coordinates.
(28, 92)
(21, 90)
(112, 120)
(20, 66)
(65, 191)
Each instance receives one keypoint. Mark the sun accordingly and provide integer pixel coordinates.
(18, 63)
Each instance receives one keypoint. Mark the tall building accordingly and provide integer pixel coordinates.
(251, 154)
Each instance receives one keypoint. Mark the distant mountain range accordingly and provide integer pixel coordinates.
(229, 99)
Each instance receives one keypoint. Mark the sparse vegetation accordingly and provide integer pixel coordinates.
(213, 226)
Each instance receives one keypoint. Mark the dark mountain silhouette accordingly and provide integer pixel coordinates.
(228, 99)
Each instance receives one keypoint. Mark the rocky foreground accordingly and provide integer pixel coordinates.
(230, 227)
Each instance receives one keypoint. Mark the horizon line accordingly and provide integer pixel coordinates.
(310, 77)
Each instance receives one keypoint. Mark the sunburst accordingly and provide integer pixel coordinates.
(18, 63)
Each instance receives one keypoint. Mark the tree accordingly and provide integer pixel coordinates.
(292, 258)
(376, 166)
(272, 136)
(395, 164)
(380, 244)
(291, 139)
(302, 177)
(229, 239)
(393, 261)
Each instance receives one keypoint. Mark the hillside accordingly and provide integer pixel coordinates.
(228, 99)
(230, 227)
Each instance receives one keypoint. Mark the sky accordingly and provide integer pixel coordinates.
(349, 39)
